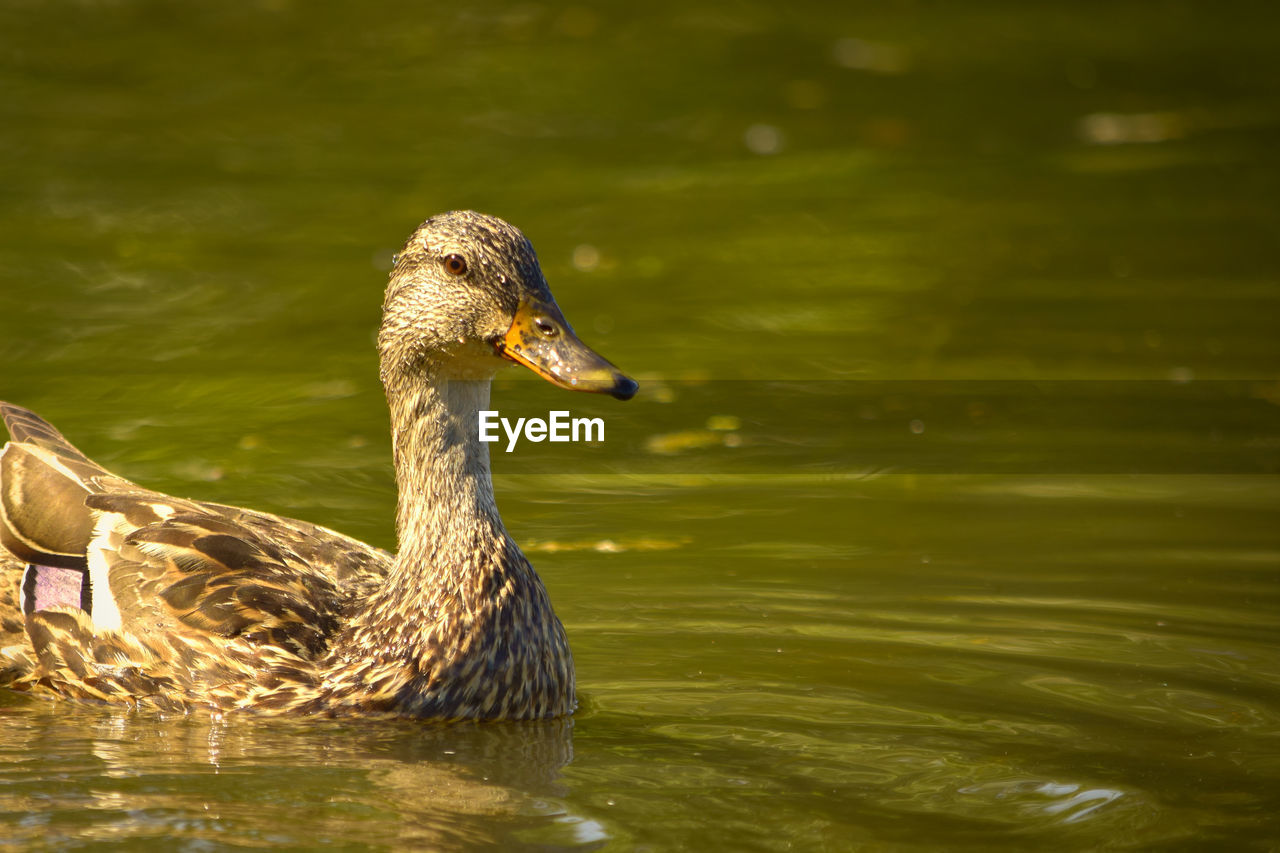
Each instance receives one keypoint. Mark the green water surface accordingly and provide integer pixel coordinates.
(947, 516)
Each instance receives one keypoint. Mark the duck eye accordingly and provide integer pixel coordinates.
(455, 264)
(546, 328)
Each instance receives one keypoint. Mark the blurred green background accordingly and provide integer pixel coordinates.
(782, 641)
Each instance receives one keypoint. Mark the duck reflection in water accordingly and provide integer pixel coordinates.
(427, 786)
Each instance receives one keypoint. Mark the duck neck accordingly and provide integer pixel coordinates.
(447, 514)
(462, 626)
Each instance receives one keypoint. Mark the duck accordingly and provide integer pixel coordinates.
(113, 592)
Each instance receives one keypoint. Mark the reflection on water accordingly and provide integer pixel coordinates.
(138, 777)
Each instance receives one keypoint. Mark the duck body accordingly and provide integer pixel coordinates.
(114, 592)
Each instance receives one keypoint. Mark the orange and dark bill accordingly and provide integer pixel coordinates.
(541, 340)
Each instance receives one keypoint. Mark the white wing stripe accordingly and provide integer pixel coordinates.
(106, 615)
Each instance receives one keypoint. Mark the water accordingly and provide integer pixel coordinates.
(947, 516)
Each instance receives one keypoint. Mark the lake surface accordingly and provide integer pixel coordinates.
(947, 517)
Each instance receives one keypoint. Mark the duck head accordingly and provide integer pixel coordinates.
(467, 293)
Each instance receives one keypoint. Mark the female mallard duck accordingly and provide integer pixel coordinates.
(125, 594)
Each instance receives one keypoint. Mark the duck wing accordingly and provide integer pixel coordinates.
(357, 567)
(180, 579)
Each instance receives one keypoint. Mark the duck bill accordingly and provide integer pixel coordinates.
(542, 340)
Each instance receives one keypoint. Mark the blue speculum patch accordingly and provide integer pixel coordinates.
(49, 586)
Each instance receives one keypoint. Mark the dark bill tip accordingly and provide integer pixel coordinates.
(624, 387)
(540, 339)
